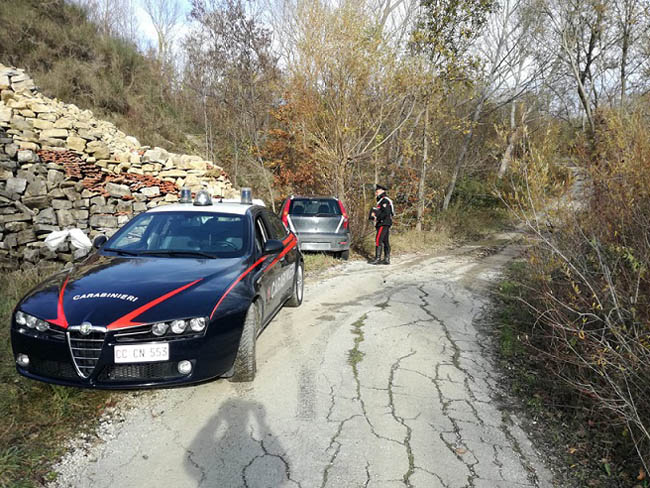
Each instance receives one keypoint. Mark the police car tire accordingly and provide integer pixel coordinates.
(245, 363)
(345, 255)
(296, 298)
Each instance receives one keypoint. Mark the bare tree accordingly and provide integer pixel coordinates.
(631, 19)
(113, 17)
(349, 70)
(165, 16)
(523, 68)
(505, 77)
(232, 68)
(598, 46)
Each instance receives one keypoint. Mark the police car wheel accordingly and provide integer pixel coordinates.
(298, 287)
(245, 364)
(345, 255)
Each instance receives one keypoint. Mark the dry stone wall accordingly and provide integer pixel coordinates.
(61, 168)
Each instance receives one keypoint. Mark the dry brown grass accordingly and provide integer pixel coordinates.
(588, 286)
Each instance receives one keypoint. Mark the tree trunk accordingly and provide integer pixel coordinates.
(461, 155)
(423, 172)
(376, 168)
(205, 125)
(340, 183)
(627, 26)
(512, 138)
(235, 166)
(269, 186)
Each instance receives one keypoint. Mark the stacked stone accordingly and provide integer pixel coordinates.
(61, 168)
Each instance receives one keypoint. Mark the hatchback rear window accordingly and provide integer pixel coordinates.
(314, 207)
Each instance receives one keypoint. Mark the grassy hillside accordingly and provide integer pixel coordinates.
(69, 59)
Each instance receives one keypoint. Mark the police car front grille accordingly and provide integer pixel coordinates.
(52, 369)
(132, 372)
(85, 350)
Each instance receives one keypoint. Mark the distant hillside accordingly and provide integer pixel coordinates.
(72, 61)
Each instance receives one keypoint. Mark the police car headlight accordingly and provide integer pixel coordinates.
(31, 322)
(25, 319)
(21, 318)
(41, 325)
(179, 326)
(159, 329)
(198, 324)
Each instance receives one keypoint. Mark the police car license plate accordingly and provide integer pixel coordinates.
(142, 353)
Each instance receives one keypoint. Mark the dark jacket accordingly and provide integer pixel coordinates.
(384, 211)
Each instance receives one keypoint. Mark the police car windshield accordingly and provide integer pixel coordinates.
(182, 234)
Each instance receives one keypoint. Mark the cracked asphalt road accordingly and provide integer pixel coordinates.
(381, 379)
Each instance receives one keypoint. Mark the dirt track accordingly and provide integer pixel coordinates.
(380, 379)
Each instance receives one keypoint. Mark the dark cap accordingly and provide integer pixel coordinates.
(380, 187)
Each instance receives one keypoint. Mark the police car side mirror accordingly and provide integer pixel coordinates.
(273, 246)
(99, 241)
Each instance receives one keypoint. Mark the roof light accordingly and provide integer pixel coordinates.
(203, 199)
(246, 196)
(186, 195)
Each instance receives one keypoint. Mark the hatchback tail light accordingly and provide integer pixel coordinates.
(345, 215)
(285, 213)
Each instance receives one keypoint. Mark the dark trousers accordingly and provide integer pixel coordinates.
(382, 239)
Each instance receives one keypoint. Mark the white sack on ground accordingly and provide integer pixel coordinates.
(77, 237)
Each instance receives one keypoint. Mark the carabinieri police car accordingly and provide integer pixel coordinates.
(178, 295)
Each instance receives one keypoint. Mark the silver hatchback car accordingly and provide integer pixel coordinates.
(321, 224)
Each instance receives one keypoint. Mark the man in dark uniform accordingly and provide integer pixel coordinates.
(382, 215)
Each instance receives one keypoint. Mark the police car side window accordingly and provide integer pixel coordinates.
(275, 225)
(260, 235)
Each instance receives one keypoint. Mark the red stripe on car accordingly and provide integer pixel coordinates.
(126, 320)
(291, 245)
(241, 277)
(60, 319)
